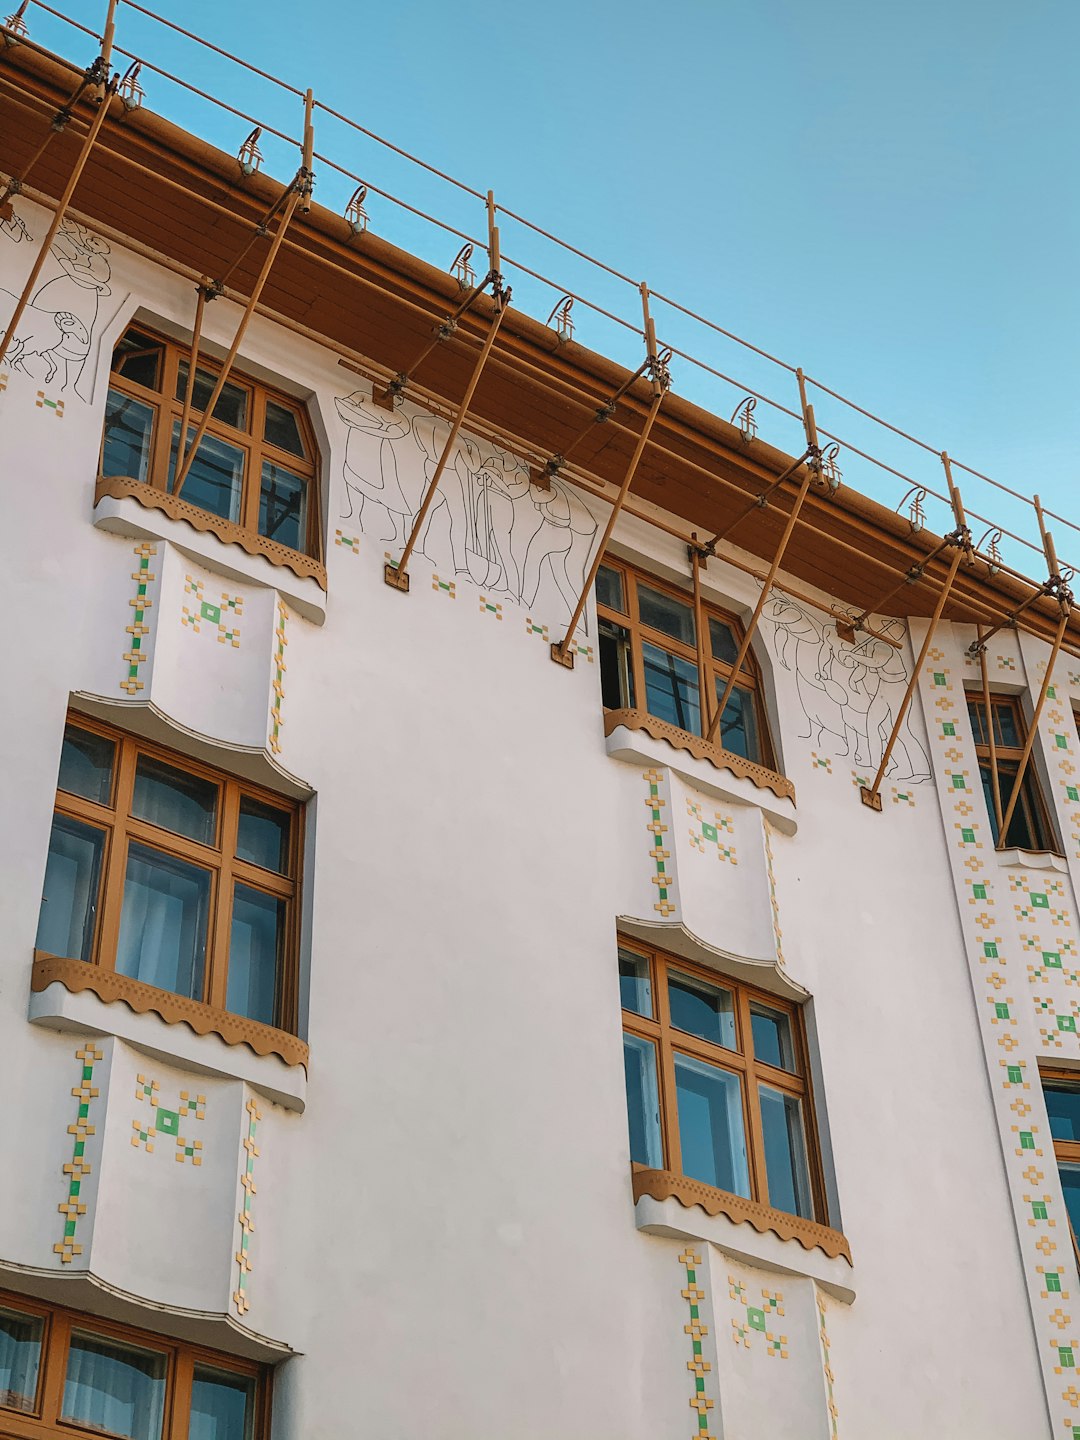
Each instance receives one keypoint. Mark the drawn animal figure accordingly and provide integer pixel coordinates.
(58, 324)
(851, 692)
(371, 471)
(46, 334)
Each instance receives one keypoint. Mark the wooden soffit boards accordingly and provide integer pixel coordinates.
(167, 190)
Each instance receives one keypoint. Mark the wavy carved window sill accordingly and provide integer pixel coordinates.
(76, 976)
(663, 1185)
(759, 775)
(304, 567)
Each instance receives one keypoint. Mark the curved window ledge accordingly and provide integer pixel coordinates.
(127, 507)
(642, 739)
(667, 1204)
(72, 995)
(83, 1290)
(1032, 860)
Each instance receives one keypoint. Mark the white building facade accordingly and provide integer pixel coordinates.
(316, 1120)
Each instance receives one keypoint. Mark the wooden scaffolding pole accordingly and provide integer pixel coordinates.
(107, 89)
(1064, 599)
(961, 540)
(561, 652)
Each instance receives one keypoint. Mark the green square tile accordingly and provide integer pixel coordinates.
(755, 1318)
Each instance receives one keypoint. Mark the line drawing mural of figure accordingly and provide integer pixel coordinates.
(488, 521)
(849, 692)
(57, 326)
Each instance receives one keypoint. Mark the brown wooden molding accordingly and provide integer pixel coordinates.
(758, 775)
(304, 567)
(107, 985)
(663, 1185)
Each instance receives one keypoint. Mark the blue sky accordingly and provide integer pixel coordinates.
(884, 194)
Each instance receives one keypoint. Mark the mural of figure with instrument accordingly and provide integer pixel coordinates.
(848, 692)
(56, 331)
(488, 523)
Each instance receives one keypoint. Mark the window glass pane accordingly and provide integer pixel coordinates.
(1006, 729)
(635, 987)
(724, 645)
(262, 836)
(216, 476)
(114, 1388)
(258, 933)
(671, 688)
(785, 1152)
(175, 800)
(702, 1009)
(772, 1036)
(977, 718)
(283, 507)
(231, 408)
(20, 1356)
(163, 922)
(129, 427)
(1070, 1185)
(138, 357)
(711, 1130)
(282, 428)
(643, 1102)
(738, 725)
(1063, 1108)
(616, 672)
(222, 1405)
(1026, 830)
(664, 612)
(69, 901)
(86, 762)
(609, 588)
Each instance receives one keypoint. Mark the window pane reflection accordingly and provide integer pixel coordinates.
(258, 933)
(114, 1388)
(222, 1405)
(86, 763)
(671, 688)
(20, 1357)
(663, 612)
(711, 1131)
(216, 476)
(163, 922)
(785, 1152)
(175, 800)
(283, 507)
(69, 902)
(642, 1102)
(702, 1009)
(635, 987)
(129, 428)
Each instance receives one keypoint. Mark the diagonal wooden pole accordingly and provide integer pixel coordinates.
(58, 216)
(398, 575)
(1033, 730)
(995, 778)
(189, 451)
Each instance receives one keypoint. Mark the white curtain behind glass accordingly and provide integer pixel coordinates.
(120, 1391)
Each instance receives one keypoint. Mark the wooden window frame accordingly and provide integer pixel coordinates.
(1065, 1151)
(168, 412)
(43, 1422)
(749, 676)
(120, 827)
(667, 1039)
(1039, 821)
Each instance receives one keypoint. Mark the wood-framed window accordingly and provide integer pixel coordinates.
(1030, 827)
(63, 1373)
(1061, 1091)
(173, 875)
(717, 1083)
(649, 660)
(257, 466)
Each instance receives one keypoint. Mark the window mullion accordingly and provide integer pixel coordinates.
(178, 1415)
(665, 1060)
(755, 1133)
(221, 923)
(54, 1361)
(114, 868)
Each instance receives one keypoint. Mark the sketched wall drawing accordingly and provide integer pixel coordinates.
(849, 693)
(56, 331)
(488, 522)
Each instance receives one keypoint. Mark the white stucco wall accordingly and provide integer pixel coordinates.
(443, 1225)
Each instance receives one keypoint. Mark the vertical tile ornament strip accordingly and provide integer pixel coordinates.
(247, 1225)
(279, 679)
(138, 629)
(78, 1166)
(660, 856)
(826, 1367)
(698, 1366)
